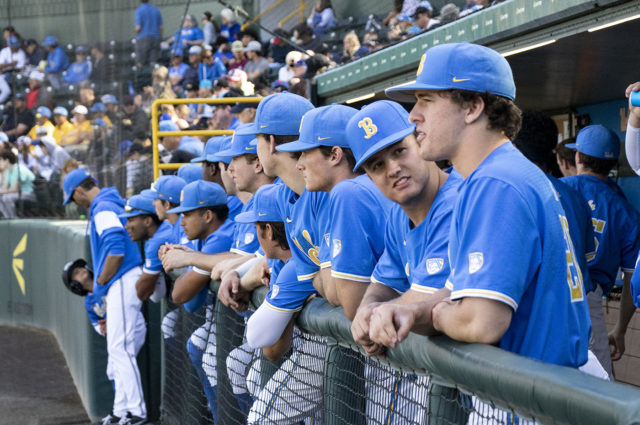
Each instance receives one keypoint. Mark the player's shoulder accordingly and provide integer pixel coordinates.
(360, 189)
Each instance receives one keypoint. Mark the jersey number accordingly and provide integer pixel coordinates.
(574, 275)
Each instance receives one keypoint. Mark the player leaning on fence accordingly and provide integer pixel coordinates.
(513, 271)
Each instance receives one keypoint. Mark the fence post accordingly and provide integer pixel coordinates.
(446, 405)
(344, 401)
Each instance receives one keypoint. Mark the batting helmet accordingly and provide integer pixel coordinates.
(67, 271)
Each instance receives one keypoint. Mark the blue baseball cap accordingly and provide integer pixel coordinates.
(98, 106)
(278, 114)
(265, 206)
(206, 84)
(138, 205)
(376, 126)
(166, 188)
(190, 172)
(13, 41)
(109, 98)
(324, 126)
(43, 111)
(168, 125)
(71, 182)
(463, 66)
(597, 141)
(60, 110)
(200, 194)
(240, 145)
(3, 137)
(50, 41)
(211, 149)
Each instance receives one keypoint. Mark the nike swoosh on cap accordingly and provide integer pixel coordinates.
(459, 80)
(262, 126)
(323, 138)
(248, 149)
(261, 214)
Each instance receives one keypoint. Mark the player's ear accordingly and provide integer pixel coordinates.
(268, 232)
(272, 144)
(474, 109)
(336, 154)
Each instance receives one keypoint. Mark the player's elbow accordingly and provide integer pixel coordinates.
(178, 295)
(257, 338)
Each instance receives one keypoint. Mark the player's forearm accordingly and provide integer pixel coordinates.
(208, 261)
(626, 305)
(188, 286)
(145, 285)
(282, 346)
(349, 294)
(111, 266)
(377, 293)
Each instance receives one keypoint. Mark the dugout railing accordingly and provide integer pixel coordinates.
(156, 134)
(450, 382)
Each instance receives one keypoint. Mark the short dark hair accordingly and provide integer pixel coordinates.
(171, 204)
(154, 217)
(279, 234)
(598, 165)
(9, 156)
(250, 157)
(221, 211)
(536, 139)
(303, 30)
(502, 113)
(565, 153)
(88, 183)
(348, 154)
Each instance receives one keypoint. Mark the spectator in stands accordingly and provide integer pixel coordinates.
(223, 50)
(132, 164)
(99, 111)
(245, 111)
(111, 103)
(87, 96)
(449, 13)
(422, 21)
(48, 156)
(286, 73)
(237, 81)
(57, 61)
(161, 84)
(9, 31)
(102, 69)
(230, 27)
(82, 132)
(475, 5)
(403, 8)
(148, 22)
(13, 174)
(36, 96)
(303, 36)
(19, 119)
(399, 30)
(352, 48)
(191, 75)
(210, 28)
(12, 58)
(278, 48)
(135, 123)
(62, 124)
(566, 157)
(256, 65)
(189, 35)
(211, 68)
(469, 4)
(322, 17)
(239, 59)
(223, 118)
(247, 36)
(35, 54)
(80, 70)
(177, 71)
(372, 41)
(43, 117)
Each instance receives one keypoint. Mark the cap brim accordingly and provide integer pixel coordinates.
(231, 153)
(68, 198)
(198, 159)
(251, 129)
(148, 193)
(180, 210)
(387, 141)
(406, 93)
(571, 146)
(296, 146)
(246, 217)
(135, 213)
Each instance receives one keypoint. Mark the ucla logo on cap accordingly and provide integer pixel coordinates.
(181, 195)
(368, 126)
(434, 265)
(476, 261)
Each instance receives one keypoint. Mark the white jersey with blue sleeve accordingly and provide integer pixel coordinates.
(288, 293)
(510, 243)
(152, 263)
(245, 241)
(416, 257)
(354, 242)
(615, 226)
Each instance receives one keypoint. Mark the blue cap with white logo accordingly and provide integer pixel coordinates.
(211, 149)
(265, 206)
(278, 114)
(463, 66)
(72, 181)
(324, 126)
(60, 110)
(98, 107)
(376, 126)
(240, 144)
(109, 98)
(190, 172)
(166, 188)
(597, 141)
(50, 41)
(43, 111)
(167, 125)
(13, 41)
(138, 205)
(200, 194)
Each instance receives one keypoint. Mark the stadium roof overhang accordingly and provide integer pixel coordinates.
(576, 67)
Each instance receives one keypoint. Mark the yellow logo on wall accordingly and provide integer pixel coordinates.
(18, 263)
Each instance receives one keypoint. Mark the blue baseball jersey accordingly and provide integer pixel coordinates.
(96, 307)
(185, 34)
(353, 243)
(57, 60)
(288, 293)
(245, 240)
(510, 243)
(164, 234)
(107, 236)
(274, 264)
(179, 236)
(305, 220)
(416, 257)
(578, 216)
(235, 206)
(77, 72)
(149, 19)
(615, 226)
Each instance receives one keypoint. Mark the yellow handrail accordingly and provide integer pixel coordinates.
(156, 133)
(261, 14)
(298, 11)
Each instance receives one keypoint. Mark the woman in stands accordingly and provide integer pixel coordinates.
(13, 174)
(352, 48)
(322, 17)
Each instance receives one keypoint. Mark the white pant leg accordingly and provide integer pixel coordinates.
(140, 332)
(594, 368)
(599, 342)
(486, 414)
(209, 362)
(5, 90)
(253, 377)
(123, 307)
(238, 364)
(295, 391)
(169, 323)
(160, 290)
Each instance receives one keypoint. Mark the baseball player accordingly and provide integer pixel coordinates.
(615, 226)
(117, 261)
(514, 274)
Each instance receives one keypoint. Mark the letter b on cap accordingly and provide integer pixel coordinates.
(368, 126)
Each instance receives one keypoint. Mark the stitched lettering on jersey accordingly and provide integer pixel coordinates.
(307, 247)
